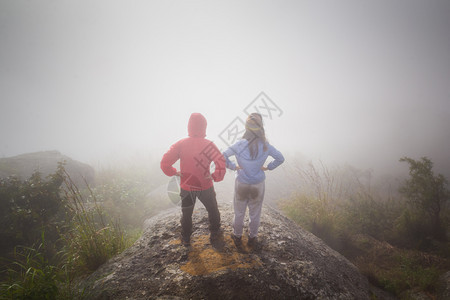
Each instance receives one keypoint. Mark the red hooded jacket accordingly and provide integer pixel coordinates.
(195, 154)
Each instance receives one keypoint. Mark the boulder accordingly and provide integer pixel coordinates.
(290, 263)
(444, 286)
(46, 162)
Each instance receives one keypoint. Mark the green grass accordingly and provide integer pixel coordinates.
(30, 276)
(94, 237)
(405, 272)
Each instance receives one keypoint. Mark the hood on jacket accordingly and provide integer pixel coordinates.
(197, 125)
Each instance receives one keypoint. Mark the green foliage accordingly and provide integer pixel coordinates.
(124, 193)
(30, 276)
(315, 216)
(337, 206)
(368, 214)
(93, 237)
(412, 230)
(406, 272)
(428, 197)
(27, 208)
(82, 236)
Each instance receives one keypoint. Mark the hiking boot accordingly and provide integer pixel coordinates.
(217, 240)
(253, 243)
(237, 240)
(186, 241)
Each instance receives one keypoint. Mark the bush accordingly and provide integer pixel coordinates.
(428, 197)
(29, 207)
(125, 193)
(367, 214)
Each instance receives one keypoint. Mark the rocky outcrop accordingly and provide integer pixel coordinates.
(46, 162)
(291, 264)
(444, 286)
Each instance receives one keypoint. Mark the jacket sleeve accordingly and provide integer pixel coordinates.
(278, 158)
(169, 158)
(227, 153)
(219, 162)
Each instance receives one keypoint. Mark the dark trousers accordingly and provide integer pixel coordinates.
(208, 198)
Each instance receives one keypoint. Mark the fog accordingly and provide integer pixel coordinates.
(349, 82)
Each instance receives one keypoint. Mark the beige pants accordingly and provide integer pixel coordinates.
(251, 195)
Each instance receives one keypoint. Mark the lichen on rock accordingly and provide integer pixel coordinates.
(204, 259)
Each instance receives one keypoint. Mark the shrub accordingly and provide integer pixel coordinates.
(29, 207)
(126, 193)
(428, 196)
(365, 213)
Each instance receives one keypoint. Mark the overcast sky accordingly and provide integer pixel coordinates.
(358, 82)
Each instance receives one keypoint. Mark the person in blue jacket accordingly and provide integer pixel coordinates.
(251, 153)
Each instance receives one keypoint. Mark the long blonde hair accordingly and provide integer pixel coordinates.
(254, 133)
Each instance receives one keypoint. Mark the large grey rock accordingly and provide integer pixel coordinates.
(46, 162)
(292, 264)
(444, 286)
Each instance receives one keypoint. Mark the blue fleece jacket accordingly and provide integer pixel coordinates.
(250, 172)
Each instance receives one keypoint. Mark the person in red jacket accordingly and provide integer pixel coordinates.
(196, 154)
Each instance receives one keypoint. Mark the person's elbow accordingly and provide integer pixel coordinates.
(167, 168)
(163, 166)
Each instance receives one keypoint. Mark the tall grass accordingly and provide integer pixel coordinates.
(319, 205)
(132, 192)
(88, 240)
(94, 237)
(30, 276)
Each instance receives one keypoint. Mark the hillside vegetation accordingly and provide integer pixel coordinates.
(398, 240)
(54, 230)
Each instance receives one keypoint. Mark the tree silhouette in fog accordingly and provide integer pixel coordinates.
(427, 194)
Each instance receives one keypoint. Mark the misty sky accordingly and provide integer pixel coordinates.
(358, 82)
